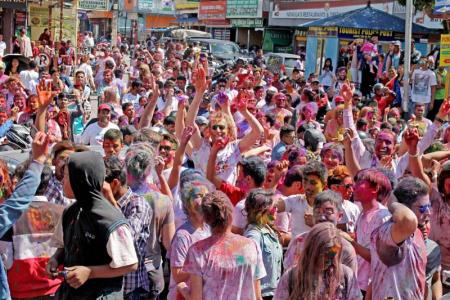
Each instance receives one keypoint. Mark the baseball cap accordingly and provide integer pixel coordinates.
(104, 106)
(200, 120)
(397, 43)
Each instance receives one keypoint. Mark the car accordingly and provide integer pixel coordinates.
(274, 61)
(225, 51)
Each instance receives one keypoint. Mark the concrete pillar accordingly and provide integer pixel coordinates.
(8, 28)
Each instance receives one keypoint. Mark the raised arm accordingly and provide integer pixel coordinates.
(178, 159)
(405, 222)
(350, 159)
(211, 167)
(415, 160)
(18, 202)
(45, 95)
(250, 139)
(200, 88)
(147, 115)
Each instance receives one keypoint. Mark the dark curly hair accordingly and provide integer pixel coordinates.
(217, 211)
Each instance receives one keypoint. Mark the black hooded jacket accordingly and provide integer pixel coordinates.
(87, 225)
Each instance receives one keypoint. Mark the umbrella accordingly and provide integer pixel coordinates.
(23, 61)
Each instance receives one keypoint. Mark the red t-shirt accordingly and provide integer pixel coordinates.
(234, 193)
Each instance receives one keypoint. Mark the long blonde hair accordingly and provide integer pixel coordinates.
(310, 280)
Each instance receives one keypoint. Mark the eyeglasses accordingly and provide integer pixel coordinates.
(424, 208)
(217, 126)
(326, 211)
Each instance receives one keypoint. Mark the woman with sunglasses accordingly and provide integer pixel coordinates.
(221, 129)
(319, 273)
(261, 212)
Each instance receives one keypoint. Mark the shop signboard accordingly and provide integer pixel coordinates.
(247, 23)
(322, 31)
(283, 9)
(93, 4)
(445, 50)
(145, 5)
(361, 33)
(186, 4)
(241, 9)
(212, 10)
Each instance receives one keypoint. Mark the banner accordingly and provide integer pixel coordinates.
(242, 9)
(93, 4)
(442, 6)
(212, 10)
(445, 51)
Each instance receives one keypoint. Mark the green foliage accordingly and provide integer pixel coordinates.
(419, 4)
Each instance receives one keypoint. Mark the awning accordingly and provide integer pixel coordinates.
(367, 17)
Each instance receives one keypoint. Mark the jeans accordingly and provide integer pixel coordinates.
(138, 294)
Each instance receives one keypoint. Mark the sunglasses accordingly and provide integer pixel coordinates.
(165, 148)
(215, 127)
(423, 208)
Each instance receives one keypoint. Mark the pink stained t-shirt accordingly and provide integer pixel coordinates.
(440, 227)
(368, 222)
(348, 289)
(228, 264)
(397, 271)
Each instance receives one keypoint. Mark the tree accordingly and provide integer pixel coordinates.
(420, 4)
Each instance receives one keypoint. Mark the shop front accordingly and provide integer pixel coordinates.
(246, 18)
(13, 17)
(213, 15)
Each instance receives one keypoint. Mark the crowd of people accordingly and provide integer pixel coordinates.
(247, 185)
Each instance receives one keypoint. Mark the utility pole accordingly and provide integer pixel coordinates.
(114, 24)
(61, 16)
(407, 64)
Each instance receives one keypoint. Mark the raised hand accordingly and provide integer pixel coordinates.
(187, 134)
(412, 139)
(45, 94)
(200, 81)
(219, 144)
(347, 93)
(159, 165)
(40, 146)
(349, 135)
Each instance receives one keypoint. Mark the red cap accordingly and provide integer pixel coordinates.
(339, 100)
(104, 106)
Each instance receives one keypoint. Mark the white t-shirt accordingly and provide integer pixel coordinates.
(93, 134)
(227, 160)
(29, 78)
(240, 215)
(297, 205)
(422, 81)
(351, 215)
(130, 98)
(161, 104)
(2, 48)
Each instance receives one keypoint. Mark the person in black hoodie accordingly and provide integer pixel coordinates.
(94, 241)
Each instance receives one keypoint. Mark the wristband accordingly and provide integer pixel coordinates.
(415, 155)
